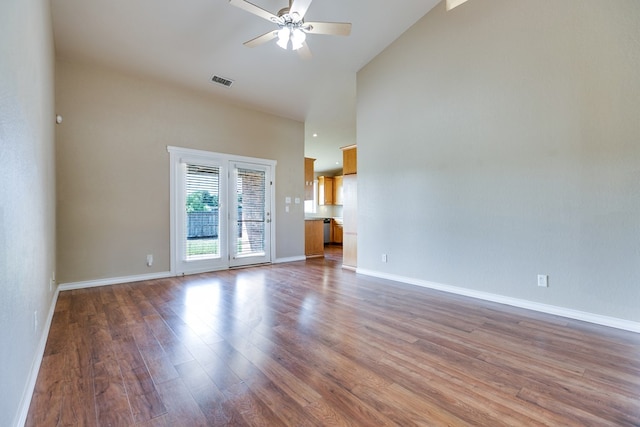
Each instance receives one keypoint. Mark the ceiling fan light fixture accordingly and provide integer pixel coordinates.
(291, 26)
(297, 38)
(283, 37)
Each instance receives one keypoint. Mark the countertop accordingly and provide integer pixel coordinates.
(322, 218)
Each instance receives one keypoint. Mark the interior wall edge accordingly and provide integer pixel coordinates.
(27, 394)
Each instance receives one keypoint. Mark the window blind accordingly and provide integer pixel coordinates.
(251, 193)
(202, 217)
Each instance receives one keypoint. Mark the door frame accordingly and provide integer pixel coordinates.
(176, 157)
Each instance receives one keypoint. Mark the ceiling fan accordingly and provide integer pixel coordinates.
(292, 29)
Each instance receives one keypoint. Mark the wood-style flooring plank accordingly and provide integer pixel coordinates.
(310, 344)
(46, 404)
(182, 409)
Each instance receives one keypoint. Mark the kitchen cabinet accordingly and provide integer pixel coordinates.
(308, 178)
(337, 190)
(325, 190)
(330, 190)
(336, 231)
(314, 237)
(349, 160)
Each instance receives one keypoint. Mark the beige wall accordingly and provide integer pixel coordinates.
(113, 167)
(27, 214)
(499, 141)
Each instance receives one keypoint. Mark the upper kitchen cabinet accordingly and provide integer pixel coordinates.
(308, 178)
(325, 190)
(349, 160)
(337, 190)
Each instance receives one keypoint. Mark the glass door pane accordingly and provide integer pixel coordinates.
(202, 214)
(251, 217)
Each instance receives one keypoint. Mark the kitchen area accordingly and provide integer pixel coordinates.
(327, 199)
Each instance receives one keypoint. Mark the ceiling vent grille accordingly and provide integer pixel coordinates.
(222, 81)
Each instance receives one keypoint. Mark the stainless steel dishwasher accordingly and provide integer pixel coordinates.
(327, 230)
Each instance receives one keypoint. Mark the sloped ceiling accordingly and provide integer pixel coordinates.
(186, 42)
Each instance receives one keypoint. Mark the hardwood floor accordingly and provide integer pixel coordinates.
(311, 344)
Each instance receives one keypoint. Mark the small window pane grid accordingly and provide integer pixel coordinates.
(202, 219)
(250, 192)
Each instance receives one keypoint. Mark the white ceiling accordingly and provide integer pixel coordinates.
(188, 41)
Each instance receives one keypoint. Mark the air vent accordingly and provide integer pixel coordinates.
(222, 81)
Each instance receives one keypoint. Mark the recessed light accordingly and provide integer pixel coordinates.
(315, 135)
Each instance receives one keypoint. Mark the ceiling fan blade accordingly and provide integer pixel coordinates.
(300, 7)
(252, 8)
(304, 51)
(266, 37)
(329, 28)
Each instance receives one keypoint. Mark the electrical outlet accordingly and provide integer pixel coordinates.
(384, 257)
(543, 280)
(149, 260)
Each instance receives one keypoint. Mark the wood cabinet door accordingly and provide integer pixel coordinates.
(338, 193)
(308, 178)
(325, 190)
(349, 161)
(313, 238)
(336, 232)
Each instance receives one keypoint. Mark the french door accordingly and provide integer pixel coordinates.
(250, 223)
(220, 211)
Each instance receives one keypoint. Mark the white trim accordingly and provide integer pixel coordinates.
(25, 403)
(598, 319)
(113, 281)
(290, 259)
(189, 152)
(172, 202)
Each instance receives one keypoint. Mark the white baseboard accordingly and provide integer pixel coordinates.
(598, 319)
(35, 366)
(290, 259)
(140, 277)
(113, 281)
